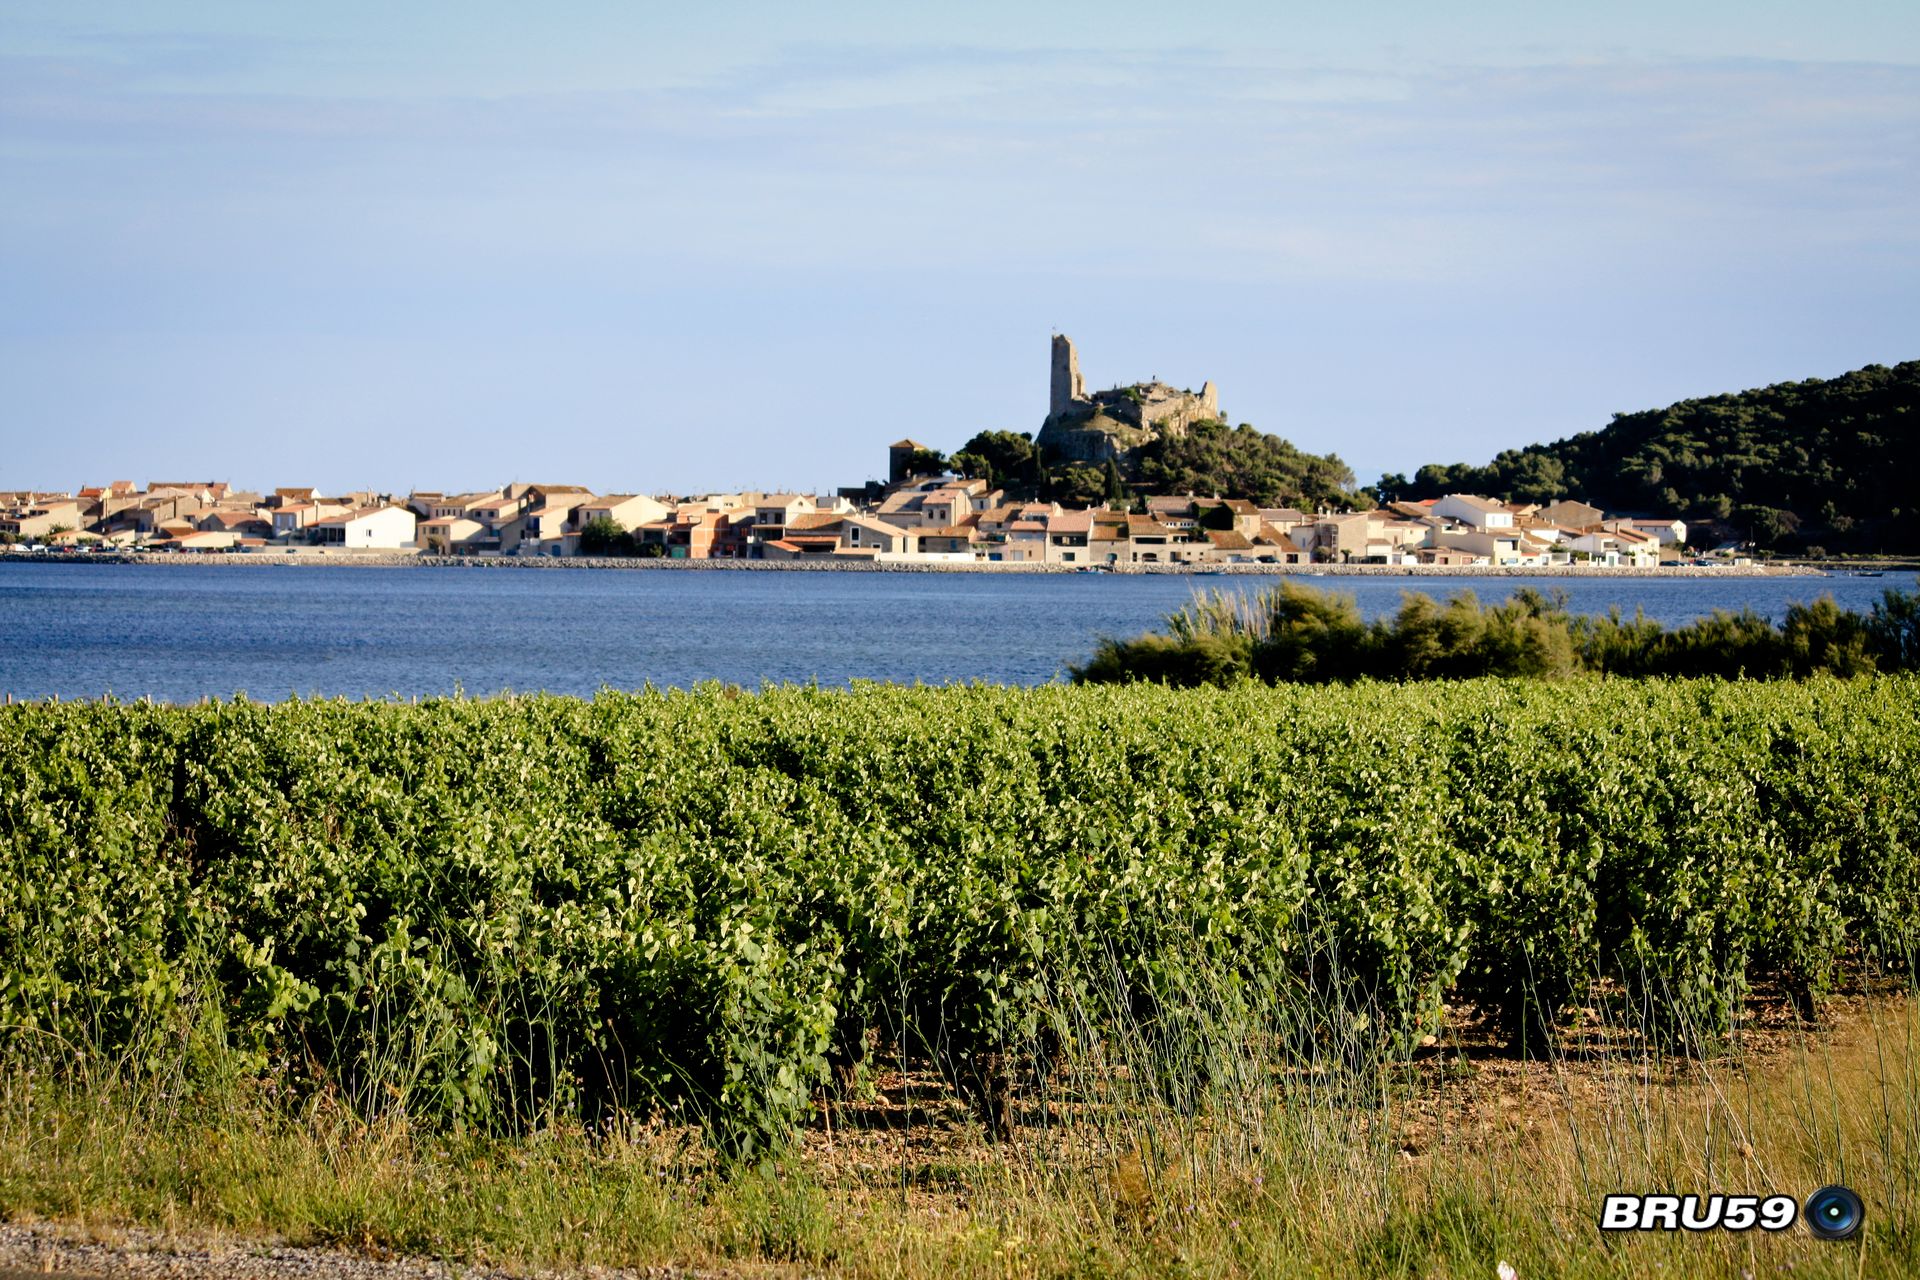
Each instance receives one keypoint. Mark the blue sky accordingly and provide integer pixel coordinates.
(641, 246)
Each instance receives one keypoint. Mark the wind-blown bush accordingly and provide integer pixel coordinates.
(1296, 634)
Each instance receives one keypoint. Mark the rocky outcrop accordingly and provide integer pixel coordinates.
(1113, 424)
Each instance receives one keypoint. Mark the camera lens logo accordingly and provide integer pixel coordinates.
(1834, 1213)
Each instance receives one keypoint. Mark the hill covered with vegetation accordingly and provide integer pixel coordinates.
(1827, 463)
(1209, 457)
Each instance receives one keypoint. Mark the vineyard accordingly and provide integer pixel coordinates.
(729, 905)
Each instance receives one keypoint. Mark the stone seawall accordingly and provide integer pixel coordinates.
(377, 560)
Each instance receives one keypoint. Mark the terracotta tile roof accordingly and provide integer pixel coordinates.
(1145, 524)
(873, 526)
(1071, 522)
(232, 519)
(360, 513)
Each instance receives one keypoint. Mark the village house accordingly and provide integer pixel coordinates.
(546, 530)
(691, 530)
(455, 535)
(386, 528)
(293, 520)
(1337, 538)
(1448, 556)
(627, 510)
(868, 536)
(1575, 515)
(462, 504)
(772, 514)
(1107, 540)
(39, 515)
(1023, 540)
(497, 512)
(1497, 546)
(241, 524)
(939, 507)
(1175, 512)
(1237, 514)
(1150, 542)
(1667, 533)
(541, 495)
(1617, 547)
(1283, 518)
(1483, 514)
(814, 534)
(1067, 535)
(947, 544)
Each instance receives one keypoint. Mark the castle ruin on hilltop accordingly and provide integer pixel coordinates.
(1112, 424)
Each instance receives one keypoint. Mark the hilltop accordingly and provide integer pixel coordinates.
(1149, 437)
(1824, 463)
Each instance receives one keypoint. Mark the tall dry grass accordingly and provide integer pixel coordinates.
(1242, 1130)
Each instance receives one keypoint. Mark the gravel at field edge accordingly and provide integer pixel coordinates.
(40, 1249)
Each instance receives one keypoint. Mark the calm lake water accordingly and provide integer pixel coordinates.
(179, 633)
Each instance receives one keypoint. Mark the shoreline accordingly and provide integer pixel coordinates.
(378, 560)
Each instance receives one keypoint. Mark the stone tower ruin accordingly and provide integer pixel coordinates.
(1069, 388)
